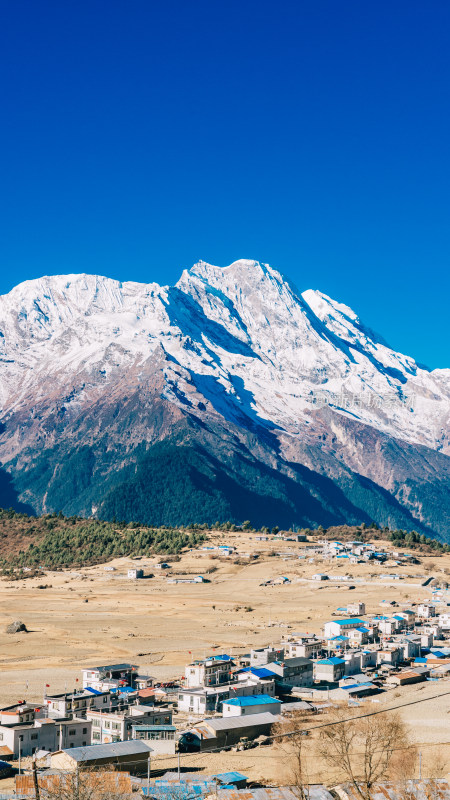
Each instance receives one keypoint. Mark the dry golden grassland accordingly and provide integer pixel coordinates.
(155, 624)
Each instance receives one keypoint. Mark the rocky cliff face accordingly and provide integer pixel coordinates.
(276, 402)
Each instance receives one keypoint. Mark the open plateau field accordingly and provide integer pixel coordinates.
(89, 616)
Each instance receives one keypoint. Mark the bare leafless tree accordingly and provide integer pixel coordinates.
(362, 748)
(292, 739)
(85, 784)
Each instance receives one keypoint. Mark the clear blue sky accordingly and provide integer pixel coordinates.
(140, 136)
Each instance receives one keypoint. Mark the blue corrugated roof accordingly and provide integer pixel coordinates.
(229, 777)
(223, 657)
(346, 621)
(260, 672)
(331, 660)
(94, 691)
(253, 700)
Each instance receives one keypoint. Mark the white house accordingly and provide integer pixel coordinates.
(341, 627)
(77, 703)
(238, 706)
(259, 657)
(201, 701)
(444, 621)
(391, 656)
(329, 669)
(426, 610)
(135, 573)
(24, 739)
(17, 713)
(102, 678)
(306, 647)
(355, 609)
(118, 727)
(212, 672)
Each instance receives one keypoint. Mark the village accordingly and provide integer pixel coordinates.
(191, 729)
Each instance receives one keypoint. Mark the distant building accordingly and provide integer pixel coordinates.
(306, 647)
(135, 573)
(109, 676)
(211, 672)
(426, 610)
(77, 703)
(239, 706)
(132, 756)
(260, 657)
(161, 738)
(330, 670)
(342, 627)
(25, 738)
(292, 671)
(355, 609)
(118, 727)
(213, 734)
(206, 700)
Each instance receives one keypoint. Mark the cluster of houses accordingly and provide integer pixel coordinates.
(223, 699)
(119, 716)
(361, 552)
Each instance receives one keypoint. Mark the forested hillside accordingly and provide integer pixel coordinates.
(54, 541)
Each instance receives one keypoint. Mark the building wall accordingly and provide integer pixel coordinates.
(261, 708)
(28, 739)
(329, 672)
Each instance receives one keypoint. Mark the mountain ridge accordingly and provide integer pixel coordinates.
(238, 352)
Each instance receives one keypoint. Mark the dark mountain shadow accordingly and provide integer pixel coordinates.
(237, 408)
(9, 497)
(181, 484)
(177, 483)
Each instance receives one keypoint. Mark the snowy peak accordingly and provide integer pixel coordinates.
(242, 338)
(344, 323)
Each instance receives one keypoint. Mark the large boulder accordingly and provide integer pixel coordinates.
(16, 627)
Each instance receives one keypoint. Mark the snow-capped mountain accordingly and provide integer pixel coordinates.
(225, 359)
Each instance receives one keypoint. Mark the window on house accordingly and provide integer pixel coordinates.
(105, 699)
(72, 732)
(84, 730)
(1, 737)
(34, 736)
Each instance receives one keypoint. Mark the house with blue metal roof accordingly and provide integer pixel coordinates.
(341, 626)
(259, 704)
(330, 670)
